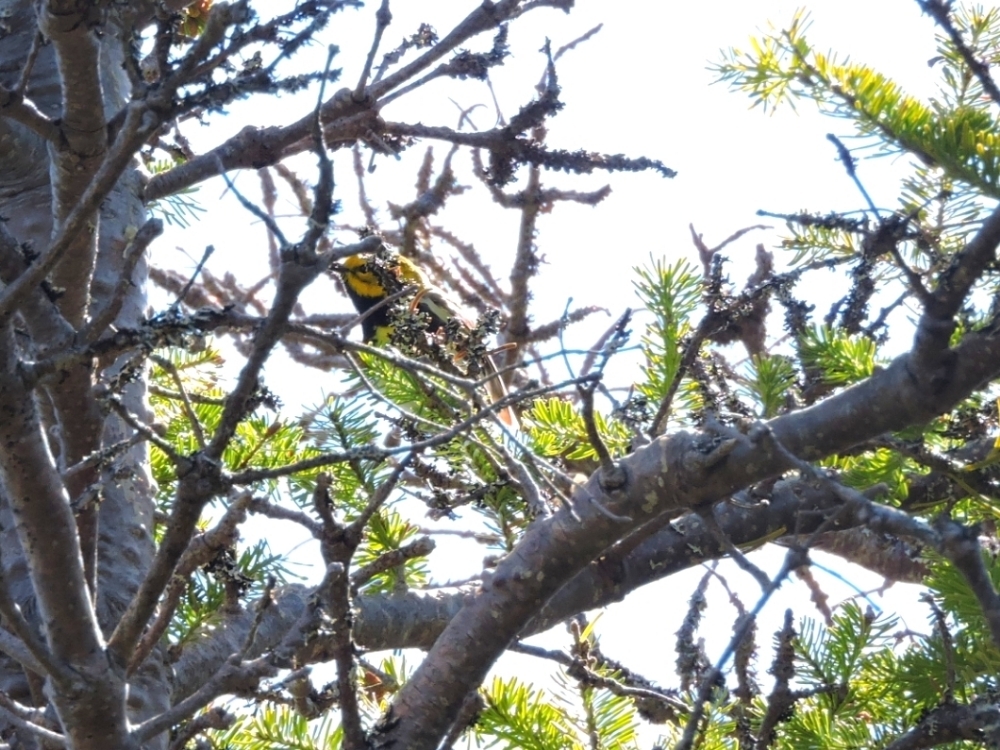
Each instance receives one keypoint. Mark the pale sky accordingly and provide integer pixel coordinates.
(639, 87)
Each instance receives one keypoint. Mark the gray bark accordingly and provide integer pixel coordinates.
(68, 411)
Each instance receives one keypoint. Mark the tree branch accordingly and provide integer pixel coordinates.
(672, 473)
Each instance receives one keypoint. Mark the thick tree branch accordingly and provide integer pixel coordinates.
(83, 142)
(253, 148)
(937, 323)
(487, 16)
(950, 723)
(48, 535)
(415, 619)
(37, 493)
(671, 474)
(137, 129)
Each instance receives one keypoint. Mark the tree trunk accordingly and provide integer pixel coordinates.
(119, 515)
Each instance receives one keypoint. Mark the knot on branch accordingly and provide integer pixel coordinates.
(613, 477)
(707, 452)
(199, 478)
(347, 103)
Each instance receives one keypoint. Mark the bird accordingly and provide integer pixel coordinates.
(370, 279)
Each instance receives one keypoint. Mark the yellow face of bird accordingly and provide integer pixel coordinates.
(369, 280)
(360, 278)
(359, 273)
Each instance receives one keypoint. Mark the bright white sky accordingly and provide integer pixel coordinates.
(639, 87)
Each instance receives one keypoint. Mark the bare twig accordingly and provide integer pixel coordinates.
(691, 350)
(780, 701)
(608, 466)
(29, 64)
(383, 17)
(13, 106)
(263, 603)
(103, 456)
(12, 715)
(937, 323)
(378, 499)
(708, 517)
(143, 429)
(269, 222)
(264, 508)
(947, 646)
(148, 232)
(851, 168)
(961, 545)
(198, 553)
(192, 416)
(392, 559)
(194, 275)
(214, 718)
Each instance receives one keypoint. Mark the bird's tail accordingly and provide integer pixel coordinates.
(497, 391)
